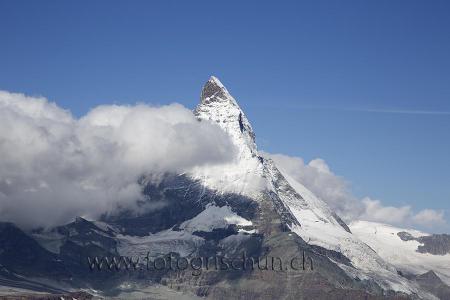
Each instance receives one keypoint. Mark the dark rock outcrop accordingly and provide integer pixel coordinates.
(436, 244)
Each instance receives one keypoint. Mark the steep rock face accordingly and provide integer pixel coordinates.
(217, 105)
(245, 174)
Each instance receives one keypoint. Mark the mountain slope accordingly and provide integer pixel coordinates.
(402, 248)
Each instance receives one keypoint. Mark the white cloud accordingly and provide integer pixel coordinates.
(403, 215)
(333, 189)
(54, 167)
(429, 217)
(376, 211)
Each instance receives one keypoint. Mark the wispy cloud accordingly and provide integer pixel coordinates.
(398, 111)
(357, 109)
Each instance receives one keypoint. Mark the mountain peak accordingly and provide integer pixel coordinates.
(217, 105)
(214, 90)
(215, 80)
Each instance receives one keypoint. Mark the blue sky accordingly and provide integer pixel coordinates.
(363, 85)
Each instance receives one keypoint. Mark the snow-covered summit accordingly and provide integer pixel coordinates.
(217, 105)
(214, 90)
(244, 175)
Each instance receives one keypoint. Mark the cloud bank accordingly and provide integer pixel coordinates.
(54, 167)
(317, 177)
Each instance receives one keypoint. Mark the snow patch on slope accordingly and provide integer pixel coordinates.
(214, 217)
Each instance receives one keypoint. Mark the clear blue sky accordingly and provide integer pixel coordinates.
(340, 80)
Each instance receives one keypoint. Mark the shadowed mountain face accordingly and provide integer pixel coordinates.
(432, 283)
(200, 214)
(23, 254)
(182, 199)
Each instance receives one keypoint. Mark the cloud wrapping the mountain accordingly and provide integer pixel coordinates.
(54, 167)
(334, 190)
